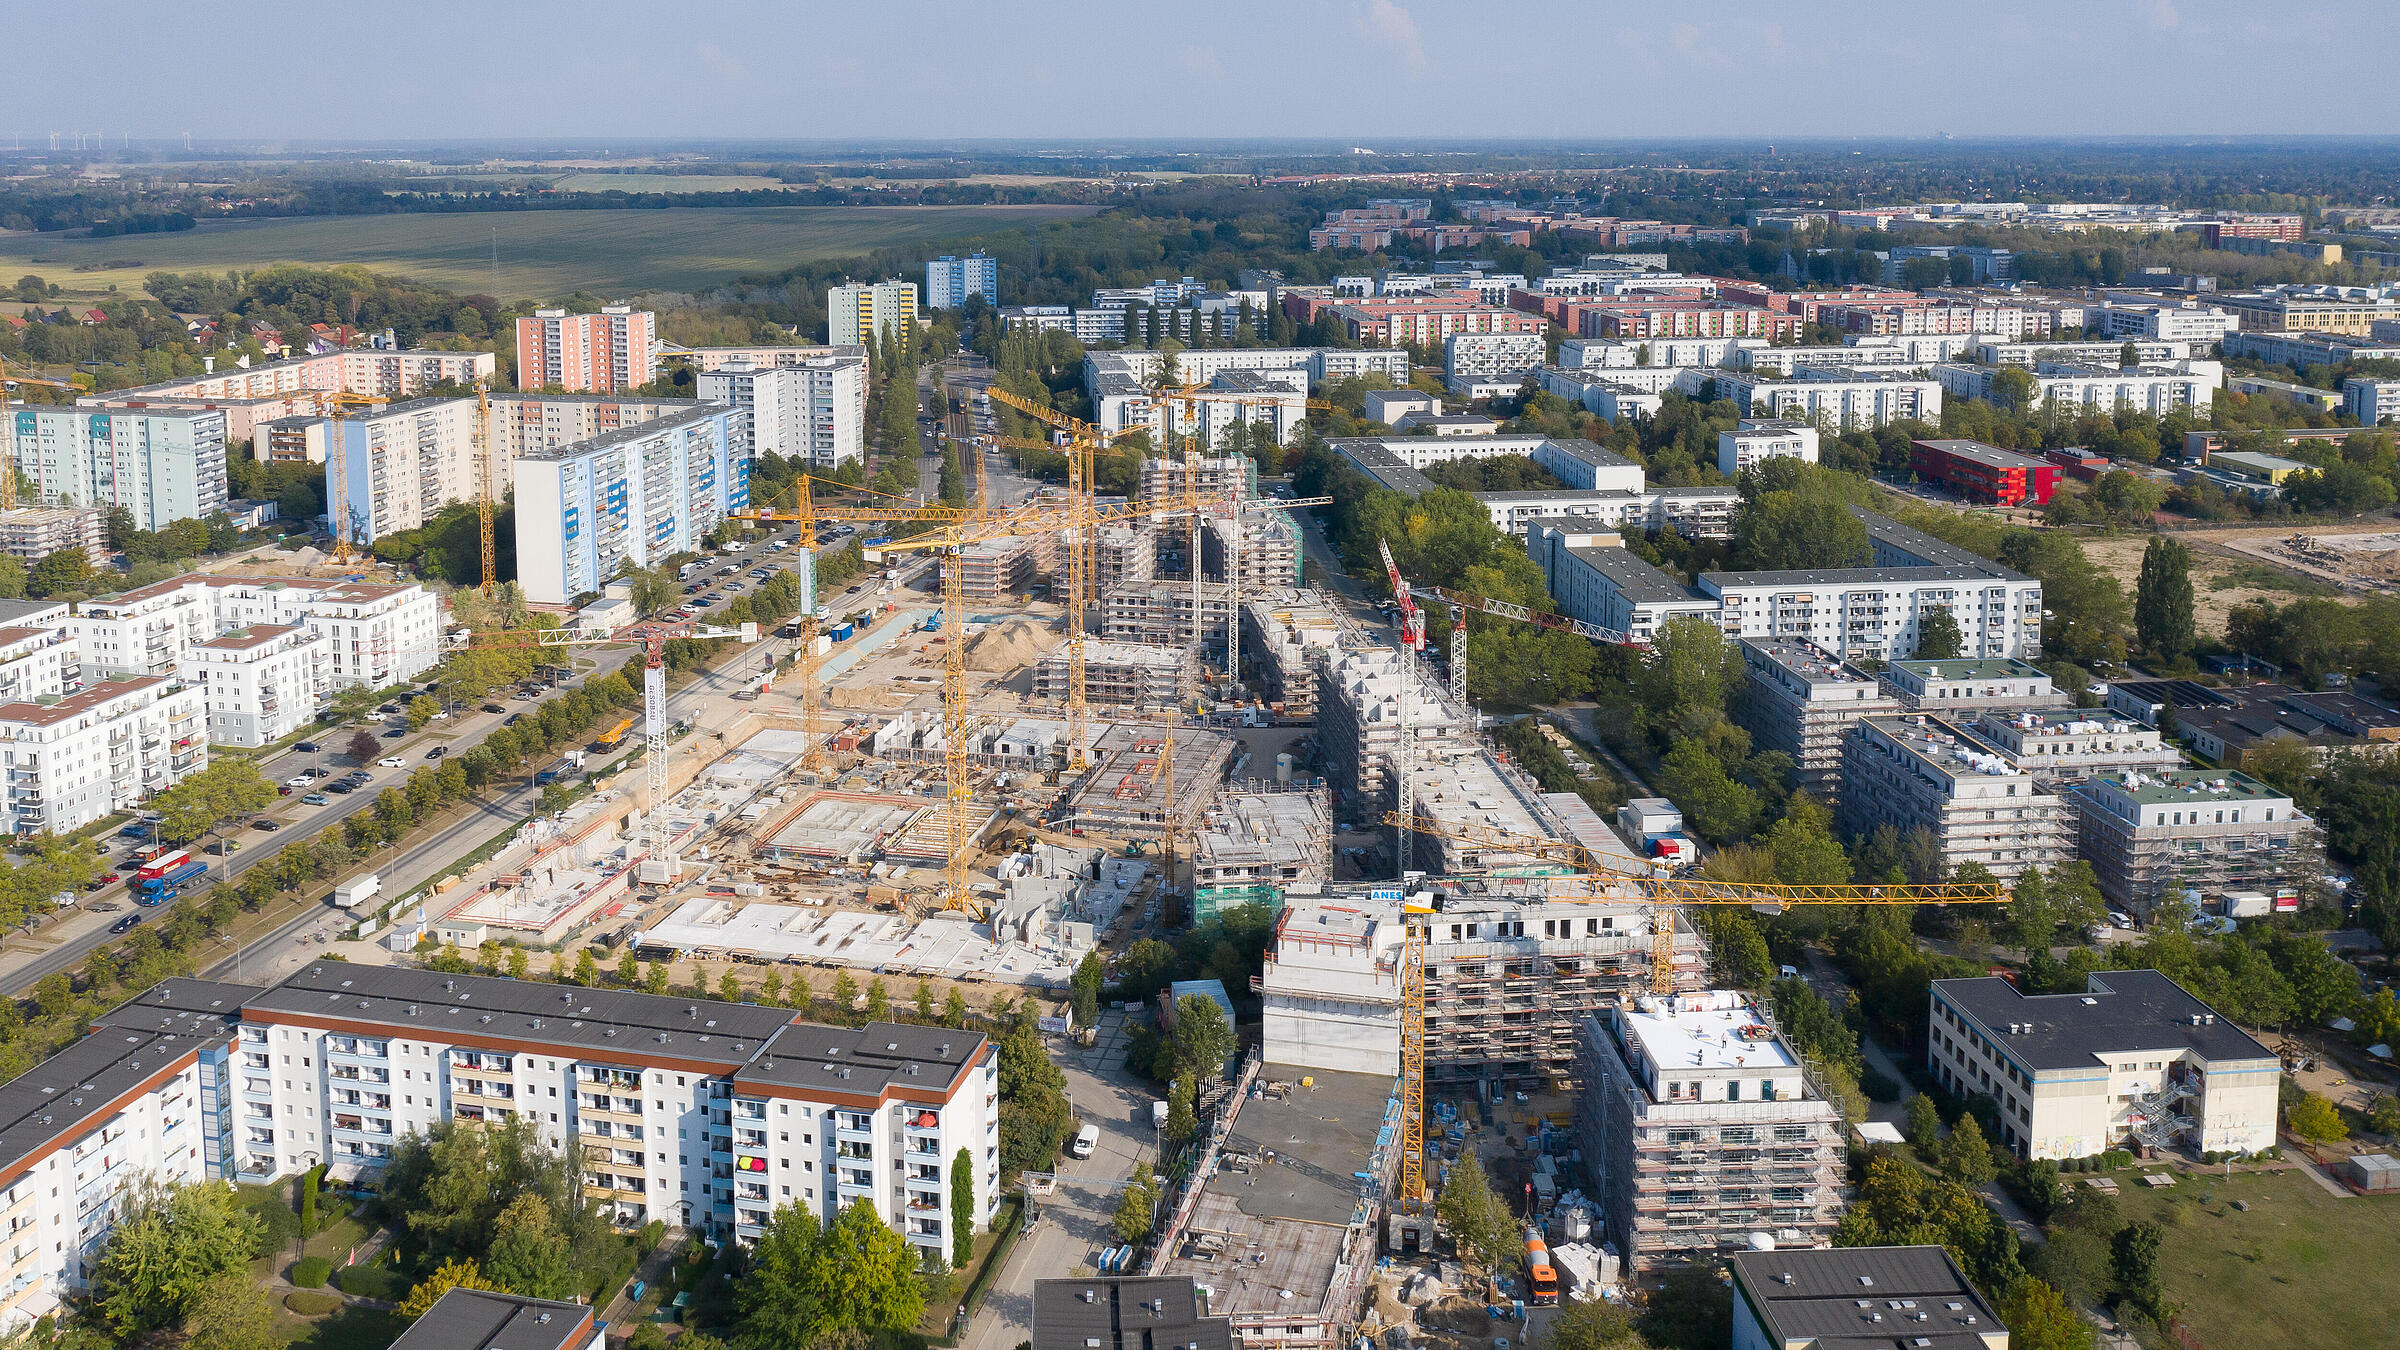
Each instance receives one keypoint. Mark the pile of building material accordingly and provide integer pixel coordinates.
(1010, 646)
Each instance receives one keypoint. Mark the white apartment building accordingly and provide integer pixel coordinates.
(1701, 1129)
(38, 655)
(1491, 356)
(376, 633)
(394, 468)
(161, 464)
(950, 280)
(2147, 352)
(1841, 396)
(261, 683)
(883, 308)
(252, 396)
(2150, 833)
(1596, 580)
(634, 495)
(1390, 405)
(2370, 400)
(1890, 350)
(1856, 612)
(815, 410)
(2202, 326)
(522, 423)
(1618, 354)
(140, 1097)
(2151, 389)
(1925, 772)
(2133, 1061)
(700, 1114)
(108, 748)
(1754, 440)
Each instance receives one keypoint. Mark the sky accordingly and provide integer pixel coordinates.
(1359, 70)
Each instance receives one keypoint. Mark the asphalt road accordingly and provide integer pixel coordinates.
(64, 940)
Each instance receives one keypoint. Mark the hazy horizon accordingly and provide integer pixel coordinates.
(1534, 71)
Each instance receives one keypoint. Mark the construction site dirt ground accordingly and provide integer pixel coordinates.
(2216, 556)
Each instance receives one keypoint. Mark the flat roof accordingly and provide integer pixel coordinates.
(485, 1319)
(618, 435)
(1972, 668)
(1116, 1312)
(1981, 453)
(1864, 1298)
(1704, 1031)
(256, 635)
(2120, 1011)
(1851, 576)
(1806, 661)
(2164, 787)
(74, 705)
(1634, 577)
(67, 1094)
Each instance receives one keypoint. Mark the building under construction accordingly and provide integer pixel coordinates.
(1122, 553)
(1114, 672)
(1285, 634)
(1260, 847)
(1270, 548)
(1510, 977)
(1130, 792)
(1462, 796)
(997, 568)
(1159, 614)
(1163, 477)
(1359, 697)
(1801, 700)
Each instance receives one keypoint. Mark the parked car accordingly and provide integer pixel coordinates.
(436, 752)
(269, 826)
(341, 785)
(493, 707)
(301, 781)
(284, 791)
(395, 733)
(512, 719)
(392, 762)
(107, 878)
(305, 747)
(320, 772)
(317, 799)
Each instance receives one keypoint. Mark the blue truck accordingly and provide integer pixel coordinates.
(159, 889)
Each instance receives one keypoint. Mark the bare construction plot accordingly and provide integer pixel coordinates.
(841, 826)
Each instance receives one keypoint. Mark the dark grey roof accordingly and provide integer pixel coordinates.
(1117, 1313)
(864, 1062)
(14, 612)
(157, 1007)
(1635, 578)
(1858, 576)
(69, 1093)
(482, 1319)
(1863, 1298)
(569, 1016)
(2120, 1011)
(1895, 540)
(1318, 1137)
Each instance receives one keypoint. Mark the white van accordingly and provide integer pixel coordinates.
(1086, 1140)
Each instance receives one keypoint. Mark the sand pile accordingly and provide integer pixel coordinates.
(1011, 645)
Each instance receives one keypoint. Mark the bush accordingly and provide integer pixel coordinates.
(278, 1226)
(653, 1233)
(309, 1303)
(1878, 1087)
(311, 1272)
(370, 1280)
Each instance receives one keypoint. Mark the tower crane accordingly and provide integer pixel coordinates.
(1412, 638)
(346, 515)
(483, 487)
(1601, 882)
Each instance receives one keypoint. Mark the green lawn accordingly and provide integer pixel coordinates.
(542, 253)
(2300, 1270)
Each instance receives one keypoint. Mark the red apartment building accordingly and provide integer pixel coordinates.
(1985, 472)
(2251, 225)
(1397, 320)
(1627, 318)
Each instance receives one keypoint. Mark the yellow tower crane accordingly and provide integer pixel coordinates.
(483, 488)
(1603, 882)
(347, 517)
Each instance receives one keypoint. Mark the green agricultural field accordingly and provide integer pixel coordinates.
(667, 182)
(542, 253)
(2300, 1270)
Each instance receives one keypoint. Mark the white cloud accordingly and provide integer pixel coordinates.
(1386, 22)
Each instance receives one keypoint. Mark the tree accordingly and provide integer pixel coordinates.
(363, 747)
(230, 1312)
(1938, 638)
(1967, 1156)
(1182, 1120)
(1478, 1222)
(879, 1001)
(169, 1241)
(2316, 1120)
(2383, 1116)
(2038, 1319)
(1924, 1125)
(451, 1274)
(2134, 1253)
(212, 799)
(1089, 974)
(421, 710)
(1203, 1039)
(962, 1209)
(954, 1009)
(1137, 1208)
(65, 572)
(809, 1279)
(529, 1256)
(1591, 1324)
(2162, 600)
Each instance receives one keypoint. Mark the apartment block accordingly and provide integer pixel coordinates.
(252, 396)
(814, 411)
(635, 495)
(523, 423)
(1925, 772)
(1843, 396)
(2075, 744)
(1700, 1127)
(1972, 686)
(2203, 326)
(1219, 477)
(2151, 835)
(302, 438)
(107, 748)
(1878, 612)
(1424, 320)
(32, 533)
(1596, 580)
(609, 352)
(160, 464)
(2072, 387)
(1803, 701)
(2369, 400)
(339, 1061)
(1510, 976)
(1492, 356)
(1123, 553)
(1283, 635)
(1265, 545)
(38, 654)
(376, 633)
(142, 1096)
(950, 280)
(1114, 672)
(885, 309)
(994, 569)
(1858, 1298)
(2134, 1061)
(394, 468)
(1359, 723)
(261, 683)
(1755, 440)
(1159, 614)
(778, 354)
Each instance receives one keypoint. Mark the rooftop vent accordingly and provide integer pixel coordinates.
(1866, 1281)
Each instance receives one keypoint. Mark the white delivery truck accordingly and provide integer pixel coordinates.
(350, 894)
